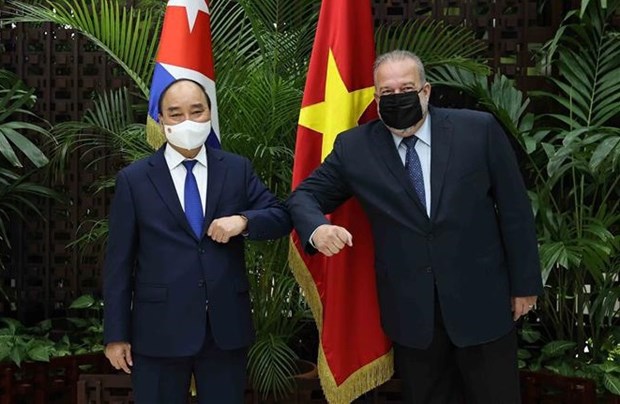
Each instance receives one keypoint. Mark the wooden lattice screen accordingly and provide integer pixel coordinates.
(66, 71)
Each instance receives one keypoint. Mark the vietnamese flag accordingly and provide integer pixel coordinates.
(354, 354)
(184, 52)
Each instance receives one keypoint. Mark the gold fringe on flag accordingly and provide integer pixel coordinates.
(154, 137)
(364, 379)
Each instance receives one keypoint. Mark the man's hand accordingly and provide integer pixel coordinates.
(330, 239)
(223, 229)
(119, 355)
(522, 305)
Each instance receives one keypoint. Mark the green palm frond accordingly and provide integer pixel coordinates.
(589, 243)
(436, 43)
(108, 126)
(15, 99)
(113, 114)
(234, 43)
(16, 198)
(111, 111)
(277, 311)
(261, 50)
(127, 35)
(283, 31)
(588, 90)
(257, 116)
(499, 96)
(156, 7)
(274, 363)
(91, 233)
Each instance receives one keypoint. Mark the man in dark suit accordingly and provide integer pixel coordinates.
(175, 285)
(456, 254)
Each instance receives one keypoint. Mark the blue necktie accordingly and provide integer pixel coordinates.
(414, 168)
(193, 206)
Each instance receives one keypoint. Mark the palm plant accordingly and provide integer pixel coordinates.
(16, 191)
(436, 43)
(578, 203)
(15, 100)
(259, 104)
(573, 162)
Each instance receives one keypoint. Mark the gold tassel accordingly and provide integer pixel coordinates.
(364, 379)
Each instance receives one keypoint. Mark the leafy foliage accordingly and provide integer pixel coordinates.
(16, 190)
(572, 167)
(558, 356)
(578, 202)
(126, 34)
(574, 156)
(436, 43)
(16, 196)
(82, 335)
(15, 100)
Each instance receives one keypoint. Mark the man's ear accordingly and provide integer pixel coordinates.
(427, 91)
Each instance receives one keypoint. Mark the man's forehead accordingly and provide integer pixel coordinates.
(398, 65)
(179, 93)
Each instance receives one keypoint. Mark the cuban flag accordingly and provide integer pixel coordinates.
(184, 52)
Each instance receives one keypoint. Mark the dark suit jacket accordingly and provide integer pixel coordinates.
(477, 249)
(158, 275)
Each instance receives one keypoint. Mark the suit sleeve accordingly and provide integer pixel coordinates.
(319, 194)
(267, 217)
(119, 264)
(515, 215)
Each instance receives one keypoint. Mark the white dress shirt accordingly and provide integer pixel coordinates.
(174, 159)
(423, 148)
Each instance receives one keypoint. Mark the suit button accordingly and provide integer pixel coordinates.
(429, 237)
(201, 284)
(428, 270)
(201, 250)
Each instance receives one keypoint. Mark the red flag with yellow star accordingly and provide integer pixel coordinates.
(354, 353)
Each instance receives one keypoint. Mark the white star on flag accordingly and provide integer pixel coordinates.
(192, 7)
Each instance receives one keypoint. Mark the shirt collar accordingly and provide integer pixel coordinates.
(174, 158)
(423, 134)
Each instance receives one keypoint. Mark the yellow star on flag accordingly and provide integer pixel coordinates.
(340, 110)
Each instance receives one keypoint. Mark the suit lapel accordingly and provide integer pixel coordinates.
(162, 181)
(216, 178)
(441, 140)
(384, 143)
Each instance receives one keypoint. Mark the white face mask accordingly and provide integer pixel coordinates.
(188, 134)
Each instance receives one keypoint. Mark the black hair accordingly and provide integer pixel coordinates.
(165, 90)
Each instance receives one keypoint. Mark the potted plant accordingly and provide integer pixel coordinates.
(44, 361)
(571, 161)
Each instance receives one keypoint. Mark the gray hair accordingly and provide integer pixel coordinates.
(398, 55)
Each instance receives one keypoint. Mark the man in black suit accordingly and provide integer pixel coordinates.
(456, 255)
(175, 282)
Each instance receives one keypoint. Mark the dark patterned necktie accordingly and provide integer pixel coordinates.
(414, 168)
(193, 205)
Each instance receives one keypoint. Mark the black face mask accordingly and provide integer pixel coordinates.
(400, 110)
